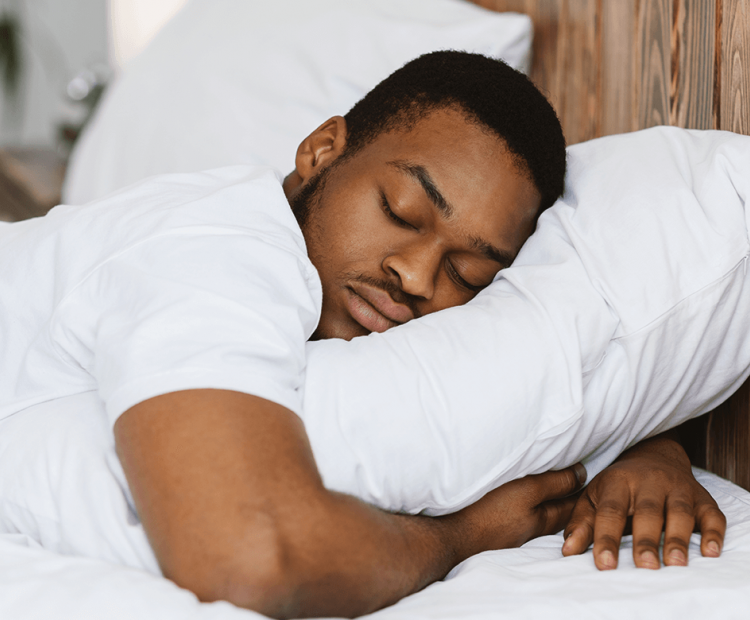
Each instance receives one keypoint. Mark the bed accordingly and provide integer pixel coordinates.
(608, 68)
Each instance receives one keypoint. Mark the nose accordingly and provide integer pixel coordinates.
(416, 269)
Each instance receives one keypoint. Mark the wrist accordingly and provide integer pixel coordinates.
(461, 535)
(664, 446)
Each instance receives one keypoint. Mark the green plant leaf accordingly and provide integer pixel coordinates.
(10, 53)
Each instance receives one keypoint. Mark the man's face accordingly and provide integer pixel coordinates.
(417, 221)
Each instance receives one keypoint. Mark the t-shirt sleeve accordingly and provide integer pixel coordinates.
(196, 308)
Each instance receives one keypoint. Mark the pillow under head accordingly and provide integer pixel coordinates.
(627, 312)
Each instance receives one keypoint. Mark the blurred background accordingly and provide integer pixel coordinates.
(56, 58)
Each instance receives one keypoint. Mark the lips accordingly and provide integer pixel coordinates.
(374, 309)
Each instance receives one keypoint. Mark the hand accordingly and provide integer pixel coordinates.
(647, 482)
(520, 510)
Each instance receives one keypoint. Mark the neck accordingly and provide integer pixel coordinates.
(291, 182)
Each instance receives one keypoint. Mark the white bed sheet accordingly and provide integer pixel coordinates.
(534, 581)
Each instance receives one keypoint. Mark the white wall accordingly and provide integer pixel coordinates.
(133, 23)
(60, 37)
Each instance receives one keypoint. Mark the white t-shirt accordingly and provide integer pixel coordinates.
(179, 282)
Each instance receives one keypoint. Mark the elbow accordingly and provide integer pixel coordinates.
(260, 576)
(268, 589)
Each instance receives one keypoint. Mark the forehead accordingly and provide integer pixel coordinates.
(472, 169)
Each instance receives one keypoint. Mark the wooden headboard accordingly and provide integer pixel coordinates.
(612, 66)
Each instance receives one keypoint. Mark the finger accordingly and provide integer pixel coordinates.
(648, 523)
(680, 522)
(554, 485)
(554, 514)
(712, 524)
(609, 523)
(579, 533)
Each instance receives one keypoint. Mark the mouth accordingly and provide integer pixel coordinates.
(374, 309)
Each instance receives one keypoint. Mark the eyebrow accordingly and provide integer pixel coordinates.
(420, 174)
(490, 251)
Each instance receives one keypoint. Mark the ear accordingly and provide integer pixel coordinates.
(321, 147)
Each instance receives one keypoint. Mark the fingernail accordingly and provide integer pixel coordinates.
(649, 560)
(580, 471)
(677, 558)
(607, 560)
(713, 549)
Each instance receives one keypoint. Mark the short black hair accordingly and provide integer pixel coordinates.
(486, 90)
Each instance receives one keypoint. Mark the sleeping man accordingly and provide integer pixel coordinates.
(185, 303)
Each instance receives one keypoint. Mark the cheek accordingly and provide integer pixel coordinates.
(346, 238)
(447, 295)
(363, 234)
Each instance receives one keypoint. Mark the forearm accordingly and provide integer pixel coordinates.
(228, 492)
(347, 558)
(238, 512)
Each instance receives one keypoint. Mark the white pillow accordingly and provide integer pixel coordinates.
(627, 312)
(244, 81)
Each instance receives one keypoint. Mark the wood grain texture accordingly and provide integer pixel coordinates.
(719, 440)
(610, 66)
(566, 64)
(578, 64)
(653, 62)
(734, 113)
(546, 17)
(693, 47)
(728, 438)
(617, 103)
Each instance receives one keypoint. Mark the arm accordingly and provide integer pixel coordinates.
(653, 483)
(230, 497)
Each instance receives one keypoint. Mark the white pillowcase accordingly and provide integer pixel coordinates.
(244, 81)
(627, 312)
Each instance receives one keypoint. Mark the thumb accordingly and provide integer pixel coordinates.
(558, 488)
(555, 514)
(559, 484)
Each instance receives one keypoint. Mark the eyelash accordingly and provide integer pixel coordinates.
(460, 281)
(403, 223)
(392, 215)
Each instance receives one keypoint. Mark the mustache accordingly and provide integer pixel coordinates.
(399, 296)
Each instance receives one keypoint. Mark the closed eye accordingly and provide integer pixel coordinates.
(387, 209)
(456, 277)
